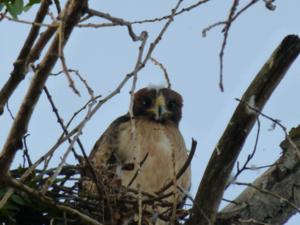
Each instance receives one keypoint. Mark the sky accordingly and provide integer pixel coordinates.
(105, 55)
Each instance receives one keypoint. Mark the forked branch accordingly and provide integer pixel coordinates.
(220, 166)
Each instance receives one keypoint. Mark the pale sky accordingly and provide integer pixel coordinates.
(105, 55)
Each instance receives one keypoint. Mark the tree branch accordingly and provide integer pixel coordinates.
(220, 166)
(19, 71)
(73, 11)
(275, 190)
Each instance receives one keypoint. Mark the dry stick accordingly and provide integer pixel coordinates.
(50, 202)
(85, 83)
(81, 109)
(276, 122)
(138, 171)
(97, 25)
(205, 30)
(73, 11)
(20, 68)
(183, 10)
(144, 37)
(116, 20)
(62, 56)
(34, 23)
(122, 22)
(219, 168)
(183, 168)
(24, 176)
(249, 157)
(226, 32)
(60, 120)
(163, 68)
(52, 178)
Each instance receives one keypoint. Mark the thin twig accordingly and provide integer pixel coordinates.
(249, 157)
(226, 32)
(60, 120)
(275, 121)
(205, 30)
(64, 158)
(163, 68)
(62, 57)
(183, 168)
(118, 21)
(50, 202)
(27, 22)
(183, 10)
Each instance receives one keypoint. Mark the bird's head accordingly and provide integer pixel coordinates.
(158, 104)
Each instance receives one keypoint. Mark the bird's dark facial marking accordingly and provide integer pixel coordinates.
(172, 105)
(147, 102)
(160, 105)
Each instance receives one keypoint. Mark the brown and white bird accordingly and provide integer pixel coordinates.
(156, 137)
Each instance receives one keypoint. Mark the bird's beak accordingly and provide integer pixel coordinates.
(160, 108)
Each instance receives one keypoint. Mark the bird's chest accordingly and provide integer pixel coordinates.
(154, 149)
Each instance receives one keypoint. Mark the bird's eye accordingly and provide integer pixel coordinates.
(172, 105)
(147, 102)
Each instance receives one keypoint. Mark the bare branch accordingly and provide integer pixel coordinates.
(33, 23)
(183, 10)
(220, 166)
(20, 65)
(163, 68)
(276, 189)
(205, 30)
(74, 10)
(249, 157)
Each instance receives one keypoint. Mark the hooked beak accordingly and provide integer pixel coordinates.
(160, 109)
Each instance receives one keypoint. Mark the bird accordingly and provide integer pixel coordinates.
(149, 142)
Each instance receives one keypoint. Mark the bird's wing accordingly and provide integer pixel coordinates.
(105, 147)
(102, 154)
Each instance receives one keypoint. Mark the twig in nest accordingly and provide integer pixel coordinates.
(226, 32)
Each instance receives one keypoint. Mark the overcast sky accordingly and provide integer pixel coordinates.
(105, 55)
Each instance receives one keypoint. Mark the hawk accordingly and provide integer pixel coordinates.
(150, 144)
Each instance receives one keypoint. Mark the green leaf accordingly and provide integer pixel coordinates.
(30, 3)
(15, 8)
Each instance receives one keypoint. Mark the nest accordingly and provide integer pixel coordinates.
(112, 203)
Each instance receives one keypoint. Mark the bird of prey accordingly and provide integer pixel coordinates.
(152, 137)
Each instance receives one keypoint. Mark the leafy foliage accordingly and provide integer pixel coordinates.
(16, 7)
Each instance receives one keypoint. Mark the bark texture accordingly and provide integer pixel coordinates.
(72, 13)
(220, 166)
(273, 197)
